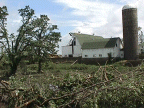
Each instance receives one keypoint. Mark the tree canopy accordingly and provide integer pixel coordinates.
(34, 32)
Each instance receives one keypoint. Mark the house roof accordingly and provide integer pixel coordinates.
(86, 38)
(100, 43)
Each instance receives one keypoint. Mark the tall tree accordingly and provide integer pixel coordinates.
(3, 31)
(16, 44)
(46, 39)
(34, 32)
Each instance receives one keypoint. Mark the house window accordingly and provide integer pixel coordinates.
(100, 55)
(86, 55)
(94, 55)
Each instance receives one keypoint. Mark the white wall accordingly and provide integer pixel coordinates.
(77, 42)
(121, 54)
(94, 53)
(117, 48)
(115, 52)
(66, 51)
(77, 51)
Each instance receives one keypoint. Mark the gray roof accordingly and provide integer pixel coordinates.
(100, 43)
(86, 38)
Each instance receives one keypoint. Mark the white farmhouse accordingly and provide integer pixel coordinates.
(90, 46)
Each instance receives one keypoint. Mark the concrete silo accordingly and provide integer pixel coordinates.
(130, 32)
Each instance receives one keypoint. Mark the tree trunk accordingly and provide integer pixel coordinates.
(39, 66)
(12, 70)
(39, 53)
(39, 60)
(13, 67)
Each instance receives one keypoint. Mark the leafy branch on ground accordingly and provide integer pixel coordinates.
(107, 87)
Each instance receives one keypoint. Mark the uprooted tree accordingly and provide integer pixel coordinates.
(34, 32)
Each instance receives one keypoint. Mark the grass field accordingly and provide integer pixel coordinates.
(78, 85)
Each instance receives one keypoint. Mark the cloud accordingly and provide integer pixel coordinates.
(91, 14)
(13, 21)
(94, 15)
(140, 6)
(87, 16)
(129, 1)
(2, 3)
(101, 18)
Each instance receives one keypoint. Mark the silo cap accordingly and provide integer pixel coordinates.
(129, 6)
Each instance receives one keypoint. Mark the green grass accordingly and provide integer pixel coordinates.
(71, 78)
(53, 73)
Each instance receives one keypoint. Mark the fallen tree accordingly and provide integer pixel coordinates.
(103, 88)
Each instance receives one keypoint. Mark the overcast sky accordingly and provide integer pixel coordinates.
(99, 17)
